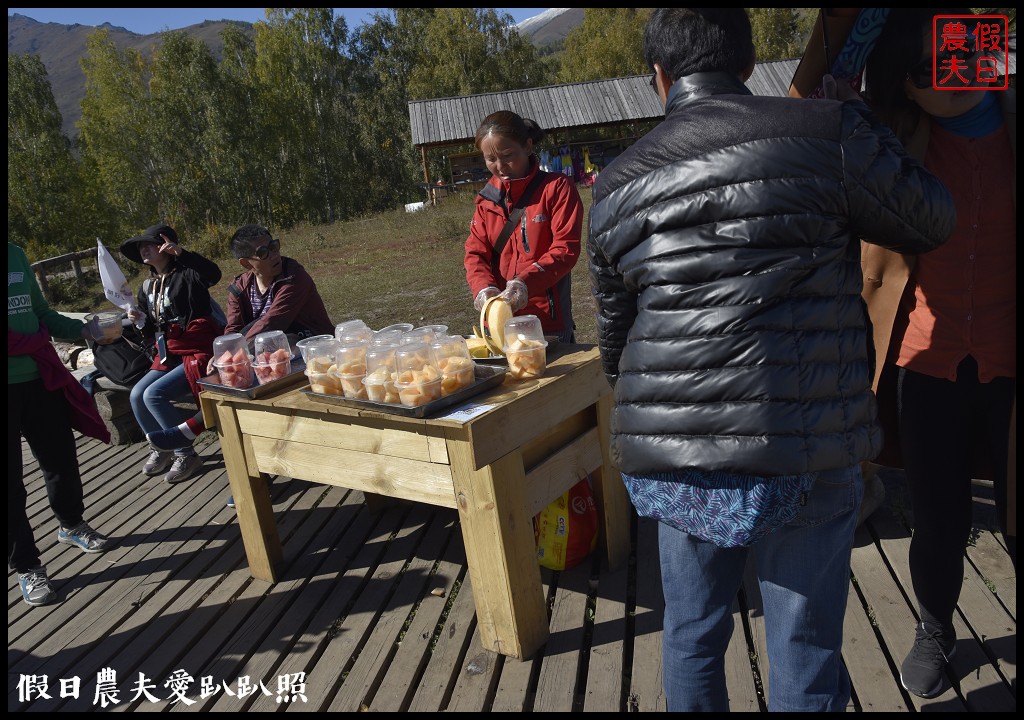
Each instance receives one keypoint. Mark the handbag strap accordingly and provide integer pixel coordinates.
(513, 220)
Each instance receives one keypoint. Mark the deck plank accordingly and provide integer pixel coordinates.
(424, 638)
(646, 692)
(875, 688)
(224, 657)
(370, 581)
(174, 593)
(560, 664)
(476, 678)
(378, 651)
(608, 643)
(516, 686)
(299, 609)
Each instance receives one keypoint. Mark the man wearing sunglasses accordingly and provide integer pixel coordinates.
(274, 292)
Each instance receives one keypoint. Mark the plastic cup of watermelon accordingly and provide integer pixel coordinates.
(273, 359)
(235, 372)
(232, 361)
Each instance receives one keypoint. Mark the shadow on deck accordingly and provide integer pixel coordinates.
(377, 611)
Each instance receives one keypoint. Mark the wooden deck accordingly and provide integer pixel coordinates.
(377, 610)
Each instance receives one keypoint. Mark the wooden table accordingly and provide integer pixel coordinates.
(509, 453)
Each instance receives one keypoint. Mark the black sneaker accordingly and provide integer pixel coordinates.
(924, 671)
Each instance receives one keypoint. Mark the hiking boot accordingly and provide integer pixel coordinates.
(158, 462)
(35, 587)
(924, 671)
(84, 537)
(183, 467)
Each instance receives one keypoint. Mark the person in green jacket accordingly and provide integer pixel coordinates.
(44, 404)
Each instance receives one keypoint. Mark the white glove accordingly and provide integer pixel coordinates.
(515, 294)
(483, 296)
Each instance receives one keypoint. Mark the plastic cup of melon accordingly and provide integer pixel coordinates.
(380, 380)
(456, 373)
(525, 347)
(352, 386)
(353, 331)
(400, 328)
(317, 340)
(322, 374)
(418, 387)
(526, 358)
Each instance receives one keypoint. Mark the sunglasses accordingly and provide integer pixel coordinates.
(263, 252)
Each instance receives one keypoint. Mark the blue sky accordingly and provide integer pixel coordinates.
(150, 20)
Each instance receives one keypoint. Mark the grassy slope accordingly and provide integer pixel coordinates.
(386, 268)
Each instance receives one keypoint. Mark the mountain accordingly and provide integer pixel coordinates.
(61, 47)
(551, 26)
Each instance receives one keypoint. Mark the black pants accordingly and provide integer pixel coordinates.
(938, 419)
(44, 418)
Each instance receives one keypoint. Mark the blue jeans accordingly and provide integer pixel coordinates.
(153, 400)
(803, 569)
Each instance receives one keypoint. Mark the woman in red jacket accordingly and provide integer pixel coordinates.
(532, 268)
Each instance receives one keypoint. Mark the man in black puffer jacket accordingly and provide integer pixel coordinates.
(725, 258)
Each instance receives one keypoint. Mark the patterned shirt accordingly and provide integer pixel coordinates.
(718, 507)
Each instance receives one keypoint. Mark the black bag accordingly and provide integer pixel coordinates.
(125, 360)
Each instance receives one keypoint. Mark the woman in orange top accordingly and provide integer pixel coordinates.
(945, 326)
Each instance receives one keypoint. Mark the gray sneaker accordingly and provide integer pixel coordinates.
(183, 467)
(158, 462)
(35, 587)
(83, 537)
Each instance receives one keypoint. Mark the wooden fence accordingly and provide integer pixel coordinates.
(75, 259)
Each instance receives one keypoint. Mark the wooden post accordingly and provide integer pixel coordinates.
(44, 287)
(426, 174)
(76, 265)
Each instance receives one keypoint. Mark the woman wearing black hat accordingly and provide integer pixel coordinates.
(175, 302)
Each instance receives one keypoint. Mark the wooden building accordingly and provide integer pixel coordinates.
(567, 112)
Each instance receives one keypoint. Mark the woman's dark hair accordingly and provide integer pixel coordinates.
(684, 41)
(508, 124)
(247, 238)
(898, 49)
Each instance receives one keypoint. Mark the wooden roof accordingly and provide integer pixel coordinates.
(454, 120)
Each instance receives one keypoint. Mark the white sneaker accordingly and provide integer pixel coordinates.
(183, 467)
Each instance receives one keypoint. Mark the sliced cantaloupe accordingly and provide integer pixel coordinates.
(493, 316)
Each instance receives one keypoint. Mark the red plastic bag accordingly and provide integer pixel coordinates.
(566, 530)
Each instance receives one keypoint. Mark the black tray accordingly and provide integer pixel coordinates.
(552, 341)
(255, 390)
(486, 377)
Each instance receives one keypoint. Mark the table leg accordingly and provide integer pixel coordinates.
(498, 533)
(252, 499)
(612, 498)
